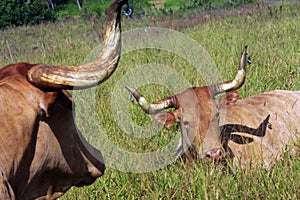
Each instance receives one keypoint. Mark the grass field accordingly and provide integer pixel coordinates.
(274, 46)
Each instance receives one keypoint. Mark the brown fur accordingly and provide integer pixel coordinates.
(201, 117)
(195, 113)
(281, 133)
(41, 155)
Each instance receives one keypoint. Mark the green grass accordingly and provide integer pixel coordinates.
(274, 46)
(142, 8)
(175, 5)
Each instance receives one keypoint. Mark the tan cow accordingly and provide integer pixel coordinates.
(256, 130)
(42, 154)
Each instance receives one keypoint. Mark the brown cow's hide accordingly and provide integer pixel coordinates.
(275, 134)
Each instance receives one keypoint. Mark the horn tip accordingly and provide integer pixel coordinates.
(130, 89)
(133, 91)
(245, 48)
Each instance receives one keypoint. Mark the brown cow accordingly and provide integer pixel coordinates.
(42, 154)
(255, 130)
(259, 130)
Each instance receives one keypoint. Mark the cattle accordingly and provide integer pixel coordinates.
(251, 132)
(42, 153)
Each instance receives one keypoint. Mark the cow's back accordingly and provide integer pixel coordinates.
(278, 132)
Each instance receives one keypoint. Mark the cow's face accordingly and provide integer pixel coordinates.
(198, 116)
(62, 157)
(212, 145)
(197, 110)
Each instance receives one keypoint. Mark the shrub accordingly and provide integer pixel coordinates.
(22, 12)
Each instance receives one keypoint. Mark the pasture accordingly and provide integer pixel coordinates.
(274, 46)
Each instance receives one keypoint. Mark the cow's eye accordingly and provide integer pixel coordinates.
(187, 124)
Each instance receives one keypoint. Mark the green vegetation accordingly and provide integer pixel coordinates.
(274, 45)
(17, 13)
(29, 12)
(145, 7)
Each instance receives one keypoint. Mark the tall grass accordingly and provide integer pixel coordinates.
(274, 43)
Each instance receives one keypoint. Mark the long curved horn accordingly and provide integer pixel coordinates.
(235, 83)
(153, 108)
(89, 75)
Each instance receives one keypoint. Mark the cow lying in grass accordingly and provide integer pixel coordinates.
(253, 131)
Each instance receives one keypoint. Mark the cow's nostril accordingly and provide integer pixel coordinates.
(215, 154)
(219, 153)
(208, 156)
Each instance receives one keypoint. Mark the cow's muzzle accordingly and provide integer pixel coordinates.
(214, 154)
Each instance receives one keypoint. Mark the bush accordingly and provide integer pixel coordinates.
(22, 12)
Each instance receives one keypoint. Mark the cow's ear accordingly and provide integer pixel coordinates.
(229, 99)
(165, 118)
